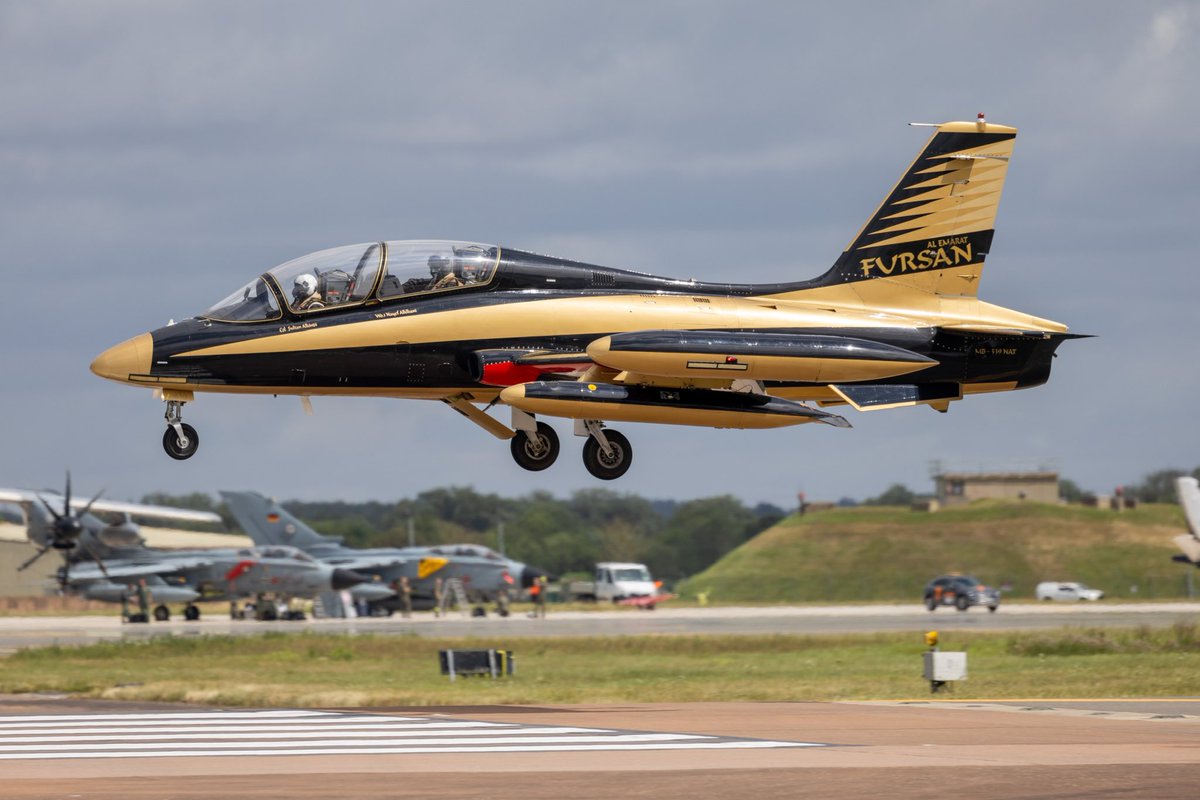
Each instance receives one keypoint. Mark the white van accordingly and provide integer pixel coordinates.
(1053, 590)
(618, 581)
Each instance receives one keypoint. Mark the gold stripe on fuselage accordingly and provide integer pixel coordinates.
(567, 316)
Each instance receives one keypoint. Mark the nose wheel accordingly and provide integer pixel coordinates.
(180, 439)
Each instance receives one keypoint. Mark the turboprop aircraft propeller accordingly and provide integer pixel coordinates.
(64, 533)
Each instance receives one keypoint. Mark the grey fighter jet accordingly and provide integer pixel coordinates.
(111, 562)
(485, 574)
(215, 574)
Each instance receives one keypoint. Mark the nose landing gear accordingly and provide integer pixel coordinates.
(180, 439)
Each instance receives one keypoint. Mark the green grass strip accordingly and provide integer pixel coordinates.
(311, 670)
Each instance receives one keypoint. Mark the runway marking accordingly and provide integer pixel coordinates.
(306, 733)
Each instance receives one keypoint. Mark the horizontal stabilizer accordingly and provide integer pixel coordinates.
(873, 397)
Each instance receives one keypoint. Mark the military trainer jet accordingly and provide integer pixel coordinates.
(483, 572)
(896, 321)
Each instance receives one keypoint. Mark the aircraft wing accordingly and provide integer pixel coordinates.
(162, 566)
(729, 355)
(364, 562)
(23, 496)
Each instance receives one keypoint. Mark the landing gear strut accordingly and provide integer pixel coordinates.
(180, 440)
(607, 454)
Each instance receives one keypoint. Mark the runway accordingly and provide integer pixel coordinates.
(1078, 747)
(770, 750)
(18, 632)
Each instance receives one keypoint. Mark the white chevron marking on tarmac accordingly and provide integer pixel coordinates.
(302, 733)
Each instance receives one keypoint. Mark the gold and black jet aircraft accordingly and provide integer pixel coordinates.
(895, 321)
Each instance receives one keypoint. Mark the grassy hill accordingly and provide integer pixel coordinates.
(890, 553)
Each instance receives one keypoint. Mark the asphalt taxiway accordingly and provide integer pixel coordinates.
(18, 632)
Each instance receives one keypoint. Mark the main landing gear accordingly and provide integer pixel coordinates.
(180, 440)
(607, 454)
(534, 445)
(535, 451)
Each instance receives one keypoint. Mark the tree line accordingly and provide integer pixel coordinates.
(561, 535)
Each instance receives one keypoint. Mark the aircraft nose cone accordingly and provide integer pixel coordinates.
(131, 357)
(531, 574)
(345, 578)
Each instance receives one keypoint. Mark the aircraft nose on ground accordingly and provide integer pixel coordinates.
(131, 357)
(531, 574)
(345, 578)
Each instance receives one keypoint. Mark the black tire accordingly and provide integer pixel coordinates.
(535, 452)
(177, 451)
(162, 614)
(478, 611)
(191, 613)
(608, 468)
(268, 615)
(930, 603)
(992, 609)
(962, 602)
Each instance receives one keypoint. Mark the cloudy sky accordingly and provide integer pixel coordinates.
(155, 156)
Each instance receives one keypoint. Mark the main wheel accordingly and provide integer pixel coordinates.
(181, 450)
(191, 613)
(537, 451)
(608, 467)
(162, 613)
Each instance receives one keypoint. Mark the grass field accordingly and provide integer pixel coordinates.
(868, 554)
(334, 670)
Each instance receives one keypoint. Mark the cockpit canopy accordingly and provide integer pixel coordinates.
(351, 275)
(277, 551)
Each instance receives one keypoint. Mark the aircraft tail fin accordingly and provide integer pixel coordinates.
(933, 231)
(267, 523)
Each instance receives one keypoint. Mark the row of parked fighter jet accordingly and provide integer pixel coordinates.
(111, 562)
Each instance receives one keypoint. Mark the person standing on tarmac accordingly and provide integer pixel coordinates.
(537, 593)
(405, 597)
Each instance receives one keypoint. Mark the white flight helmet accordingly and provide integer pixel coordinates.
(305, 285)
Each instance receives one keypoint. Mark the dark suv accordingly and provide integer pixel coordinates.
(960, 591)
